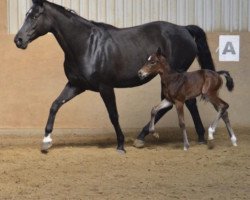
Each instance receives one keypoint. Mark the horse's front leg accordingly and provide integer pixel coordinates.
(108, 95)
(67, 94)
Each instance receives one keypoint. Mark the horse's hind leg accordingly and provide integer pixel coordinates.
(192, 107)
(67, 94)
(179, 108)
(164, 104)
(229, 128)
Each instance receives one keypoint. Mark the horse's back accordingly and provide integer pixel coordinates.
(176, 42)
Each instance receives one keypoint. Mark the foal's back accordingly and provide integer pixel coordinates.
(188, 85)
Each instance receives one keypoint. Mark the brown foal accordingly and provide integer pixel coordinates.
(179, 87)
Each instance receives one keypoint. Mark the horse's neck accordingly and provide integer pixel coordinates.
(69, 32)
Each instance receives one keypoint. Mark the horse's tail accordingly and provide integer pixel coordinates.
(204, 55)
(229, 80)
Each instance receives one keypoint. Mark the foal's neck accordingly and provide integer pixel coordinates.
(165, 68)
(166, 73)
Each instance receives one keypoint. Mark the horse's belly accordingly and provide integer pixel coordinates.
(82, 81)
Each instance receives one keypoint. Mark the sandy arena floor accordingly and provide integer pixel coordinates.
(88, 167)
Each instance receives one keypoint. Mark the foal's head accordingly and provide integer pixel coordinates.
(154, 65)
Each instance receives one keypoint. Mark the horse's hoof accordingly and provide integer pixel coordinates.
(210, 144)
(45, 147)
(139, 143)
(202, 140)
(121, 151)
(156, 135)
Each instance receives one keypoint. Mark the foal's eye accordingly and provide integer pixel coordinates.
(152, 62)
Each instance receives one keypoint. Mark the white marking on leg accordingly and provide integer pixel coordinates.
(213, 126)
(211, 133)
(185, 139)
(47, 139)
(164, 104)
(152, 126)
(230, 131)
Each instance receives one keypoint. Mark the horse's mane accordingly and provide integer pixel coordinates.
(66, 11)
(75, 16)
(103, 25)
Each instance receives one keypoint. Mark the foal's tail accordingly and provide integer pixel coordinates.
(203, 55)
(229, 80)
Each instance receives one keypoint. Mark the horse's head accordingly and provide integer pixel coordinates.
(36, 24)
(153, 66)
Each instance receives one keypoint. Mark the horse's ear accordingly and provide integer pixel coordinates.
(158, 52)
(39, 2)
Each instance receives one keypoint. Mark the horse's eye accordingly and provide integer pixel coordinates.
(152, 62)
(35, 17)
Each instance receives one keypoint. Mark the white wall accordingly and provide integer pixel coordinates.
(212, 15)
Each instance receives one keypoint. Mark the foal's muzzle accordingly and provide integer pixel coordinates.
(142, 74)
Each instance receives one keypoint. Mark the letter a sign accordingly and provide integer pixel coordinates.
(229, 48)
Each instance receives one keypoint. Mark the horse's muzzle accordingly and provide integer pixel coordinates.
(20, 43)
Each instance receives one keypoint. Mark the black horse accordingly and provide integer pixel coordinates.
(100, 57)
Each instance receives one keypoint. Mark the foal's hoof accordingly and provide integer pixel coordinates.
(234, 144)
(234, 141)
(139, 143)
(45, 147)
(156, 135)
(185, 148)
(210, 144)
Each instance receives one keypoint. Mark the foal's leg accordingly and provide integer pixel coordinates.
(192, 107)
(179, 108)
(108, 96)
(139, 142)
(229, 128)
(221, 107)
(164, 104)
(67, 94)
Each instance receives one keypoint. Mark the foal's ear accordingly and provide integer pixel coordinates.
(158, 52)
(39, 2)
